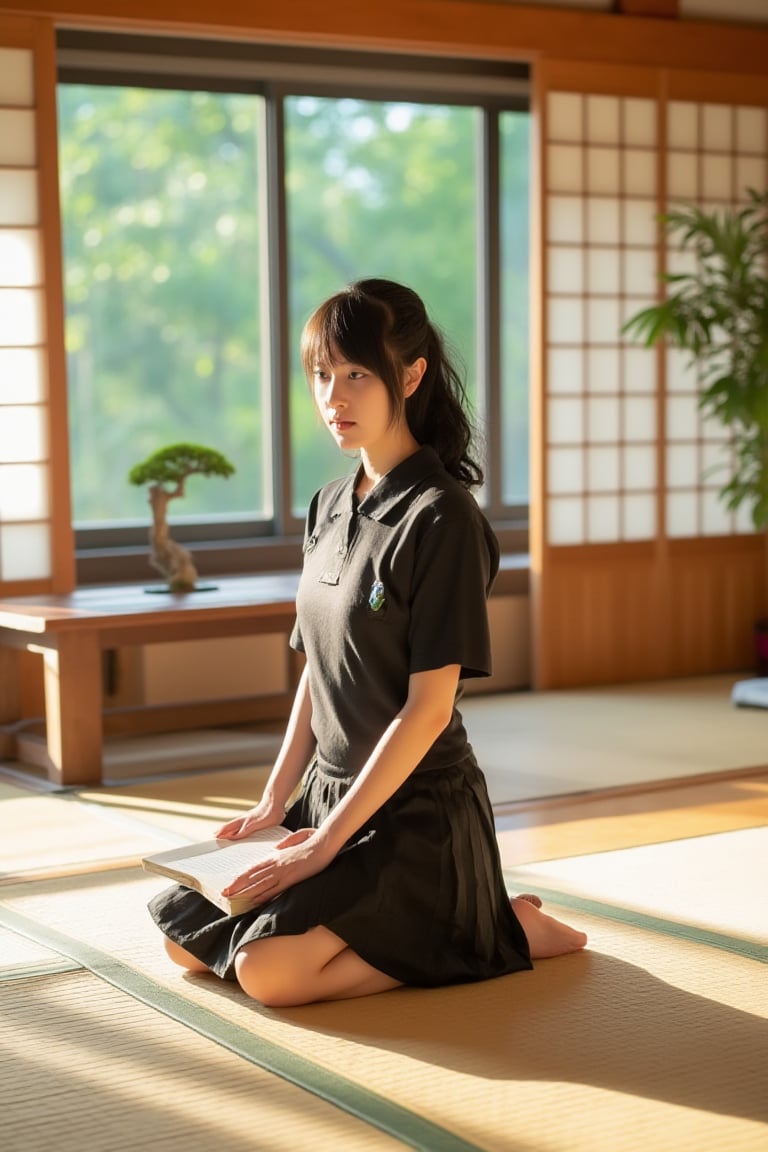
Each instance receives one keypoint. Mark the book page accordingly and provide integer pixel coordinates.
(230, 861)
(217, 861)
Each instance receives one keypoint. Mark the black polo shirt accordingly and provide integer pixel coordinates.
(393, 584)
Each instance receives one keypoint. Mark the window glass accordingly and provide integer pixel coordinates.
(162, 257)
(172, 282)
(514, 131)
(377, 189)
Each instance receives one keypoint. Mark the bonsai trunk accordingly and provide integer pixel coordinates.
(167, 556)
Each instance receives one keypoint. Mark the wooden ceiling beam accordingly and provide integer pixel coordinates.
(666, 9)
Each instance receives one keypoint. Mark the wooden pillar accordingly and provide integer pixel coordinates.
(73, 709)
(10, 686)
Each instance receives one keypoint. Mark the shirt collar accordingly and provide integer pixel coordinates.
(396, 486)
(399, 483)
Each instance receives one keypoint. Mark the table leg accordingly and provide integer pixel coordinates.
(73, 709)
(10, 700)
(10, 689)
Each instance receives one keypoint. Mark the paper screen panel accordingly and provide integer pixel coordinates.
(600, 239)
(25, 527)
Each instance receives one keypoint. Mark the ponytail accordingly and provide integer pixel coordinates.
(437, 414)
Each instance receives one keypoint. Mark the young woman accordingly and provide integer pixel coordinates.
(391, 874)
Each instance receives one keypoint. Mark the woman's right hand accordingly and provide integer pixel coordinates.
(266, 814)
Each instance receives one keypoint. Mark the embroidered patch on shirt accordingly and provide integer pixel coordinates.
(376, 597)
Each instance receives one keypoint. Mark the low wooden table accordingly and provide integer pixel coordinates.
(71, 632)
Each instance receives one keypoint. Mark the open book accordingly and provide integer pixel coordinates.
(212, 864)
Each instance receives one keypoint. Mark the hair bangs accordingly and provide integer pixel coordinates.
(349, 326)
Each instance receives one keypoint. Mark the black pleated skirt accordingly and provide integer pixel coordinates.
(418, 892)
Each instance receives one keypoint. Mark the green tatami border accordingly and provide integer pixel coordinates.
(751, 949)
(41, 968)
(406, 1126)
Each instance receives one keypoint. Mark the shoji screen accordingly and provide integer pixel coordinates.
(601, 249)
(637, 571)
(35, 534)
(595, 508)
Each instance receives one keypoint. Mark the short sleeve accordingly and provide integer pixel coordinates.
(456, 562)
(295, 640)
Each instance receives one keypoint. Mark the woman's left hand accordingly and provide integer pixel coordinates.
(297, 857)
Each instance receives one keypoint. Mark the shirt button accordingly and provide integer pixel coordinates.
(342, 549)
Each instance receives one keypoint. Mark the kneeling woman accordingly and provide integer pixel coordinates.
(391, 874)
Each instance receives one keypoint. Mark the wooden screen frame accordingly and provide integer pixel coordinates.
(38, 36)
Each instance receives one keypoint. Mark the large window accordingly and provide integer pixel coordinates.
(162, 254)
(382, 189)
(211, 197)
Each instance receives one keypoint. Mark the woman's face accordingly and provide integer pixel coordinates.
(355, 405)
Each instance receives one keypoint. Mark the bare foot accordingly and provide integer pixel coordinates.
(546, 936)
(530, 897)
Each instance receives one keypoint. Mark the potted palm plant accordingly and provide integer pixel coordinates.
(718, 313)
(166, 472)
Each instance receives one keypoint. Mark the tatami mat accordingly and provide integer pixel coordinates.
(645, 1041)
(184, 807)
(20, 956)
(652, 1039)
(539, 744)
(710, 882)
(87, 1068)
(185, 803)
(576, 826)
(531, 745)
(10, 791)
(65, 833)
(545, 745)
(54, 834)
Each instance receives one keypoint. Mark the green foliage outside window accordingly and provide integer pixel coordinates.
(378, 189)
(164, 262)
(162, 290)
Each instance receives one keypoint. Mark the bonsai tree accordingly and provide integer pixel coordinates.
(166, 471)
(719, 314)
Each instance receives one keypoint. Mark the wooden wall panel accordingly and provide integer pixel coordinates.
(603, 617)
(617, 614)
(716, 590)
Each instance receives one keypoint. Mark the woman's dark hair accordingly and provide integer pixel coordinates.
(383, 326)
